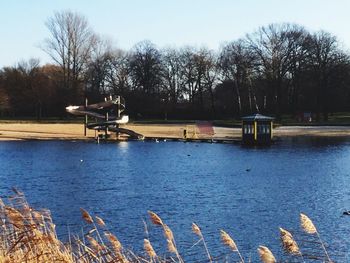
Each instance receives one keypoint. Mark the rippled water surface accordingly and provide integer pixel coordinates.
(247, 192)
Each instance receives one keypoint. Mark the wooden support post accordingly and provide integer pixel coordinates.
(118, 107)
(255, 131)
(96, 134)
(271, 129)
(106, 129)
(118, 111)
(85, 117)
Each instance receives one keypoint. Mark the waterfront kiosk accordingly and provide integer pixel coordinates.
(257, 129)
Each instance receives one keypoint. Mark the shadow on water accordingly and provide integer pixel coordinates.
(248, 192)
(316, 141)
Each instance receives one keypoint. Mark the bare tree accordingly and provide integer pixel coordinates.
(236, 64)
(273, 46)
(97, 72)
(210, 75)
(5, 105)
(146, 67)
(119, 73)
(31, 73)
(323, 55)
(171, 74)
(146, 74)
(200, 60)
(189, 83)
(280, 68)
(26, 89)
(298, 66)
(70, 46)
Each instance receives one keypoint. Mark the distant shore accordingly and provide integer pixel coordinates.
(74, 131)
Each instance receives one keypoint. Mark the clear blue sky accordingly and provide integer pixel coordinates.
(164, 22)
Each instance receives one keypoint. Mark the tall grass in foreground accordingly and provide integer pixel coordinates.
(28, 235)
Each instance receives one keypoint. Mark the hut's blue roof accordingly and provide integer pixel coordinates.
(257, 117)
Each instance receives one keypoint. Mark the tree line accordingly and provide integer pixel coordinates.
(278, 69)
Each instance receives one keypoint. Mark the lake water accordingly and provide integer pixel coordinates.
(248, 192)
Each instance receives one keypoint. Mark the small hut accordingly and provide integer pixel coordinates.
(257, 129)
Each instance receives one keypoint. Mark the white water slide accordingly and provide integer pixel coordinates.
(105, 114)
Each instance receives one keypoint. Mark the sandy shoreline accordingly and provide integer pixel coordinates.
(69, 131)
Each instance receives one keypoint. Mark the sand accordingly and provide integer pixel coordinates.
(68, 131)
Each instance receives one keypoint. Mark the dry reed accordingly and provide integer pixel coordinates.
(228, 241)
(100, 221)
(266, 255)
(155, 218)
(171, 246)
(168, 233)
(196, 230)
(116, 245)
(86, 216)
(288, 242)
(94, 244)
(149, 249)
(29, 235)
(309, 227)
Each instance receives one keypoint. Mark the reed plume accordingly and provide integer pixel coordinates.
(94, 244)
(197, 231)
(86, 216)
(228, 241)
(155, 218)
(37, 216)
(15, 217)
(168, 233)
(100, 221)
(171, 246)
(309, 227)
(288, 242)
(27, 235)
(22, 239)
(116, 245)
(266, 255)
(149, 249)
